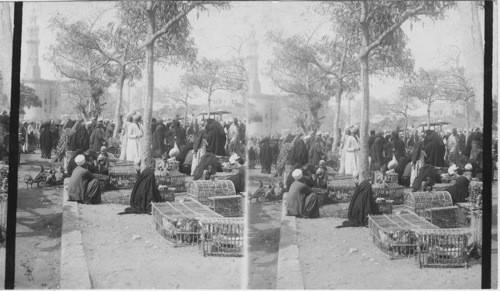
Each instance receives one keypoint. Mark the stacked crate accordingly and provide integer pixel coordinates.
(443, 247)
(340, 189)
(122, 175)
(435, 206)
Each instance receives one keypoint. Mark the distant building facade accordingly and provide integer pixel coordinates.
(48, 91)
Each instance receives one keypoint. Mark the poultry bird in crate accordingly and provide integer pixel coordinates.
(28, 180)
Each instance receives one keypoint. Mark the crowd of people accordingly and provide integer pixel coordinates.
(197, 148)
(416, 162)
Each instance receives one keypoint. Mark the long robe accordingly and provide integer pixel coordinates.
(97, 138)
(435, 150)
(362, 204)
(351, 159)
(238, 180)
(302, 201)
(266, 156)
(199, 149)
(377, 154)
(159, 140)
(299, 154)
(124, 140)
(216, 138)
(79, 140)
(84, 187)
(398, 147)
(316, 153)
(427, 171)
(208, 159)
(133, 135)
(460, 191)
(45, 140)
(144, 192)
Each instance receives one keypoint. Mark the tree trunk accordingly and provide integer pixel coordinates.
(336, 121)
(148, 108)
(209, 103)
(429, 116)
(364, 171)
(119, 103)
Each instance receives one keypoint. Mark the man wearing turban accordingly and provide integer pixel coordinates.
(83, 186)
(301, 201)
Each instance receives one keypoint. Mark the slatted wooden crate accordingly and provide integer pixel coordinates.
(444, 217)
(179, 222)
(441, 186)
(443, 247)
(167, 194)
(396, 194)
(122, 175)
(395, 234)
(201, 190)
(227, 206)
(340, 190)
(172, 179)
(384, 177)
(223, 175)
(475, 191)
(223, 236)
(419, 201)
(385, 206)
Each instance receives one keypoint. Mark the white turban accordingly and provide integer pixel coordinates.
(297, 174)
(468, 167)
(452, 169)
(174, 152)
(80, 160)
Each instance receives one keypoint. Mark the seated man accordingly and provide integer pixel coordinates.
(103, 162)
(302, 201)
(426, 173)
(83, 185)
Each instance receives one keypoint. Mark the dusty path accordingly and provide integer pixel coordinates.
(117, 261)
(264, 237)
(327, 262)
(38, 230)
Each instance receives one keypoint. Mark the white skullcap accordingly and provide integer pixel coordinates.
(80, 160)
(233, 158)
(297, 174)
(173, 152)
(468, 167)
(452, 169)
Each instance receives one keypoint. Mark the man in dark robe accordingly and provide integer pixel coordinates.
(301, 201)
(362, 204)
(276, 149)
(80, 139)
(428, 174)
(398, 146)
(266, 155)
(239, 180)
(83, 185)
(159, 135)
(460, 191)
(216, 138)
(371, 139)
(434, 149)
(299, 153)
(144, 192)
(377, 153)
(54, 132)
(153, 124)
(316, 152)
(180, 133)
(183, 151)
(45, 140)
(97, 138)
(208, 160)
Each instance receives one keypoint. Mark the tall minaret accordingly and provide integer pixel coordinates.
(32, 71)
(253, 66)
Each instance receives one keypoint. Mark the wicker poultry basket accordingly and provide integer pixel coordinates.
(419, 201)
(122, 175)
(201, 190)
(340, 190)
(443, 247)
(223, 236)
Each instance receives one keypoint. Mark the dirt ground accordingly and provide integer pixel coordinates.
(333, 258)
(117, 261)
(38, 230)
(264, 237)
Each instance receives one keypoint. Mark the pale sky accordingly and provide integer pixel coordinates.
(214, 32)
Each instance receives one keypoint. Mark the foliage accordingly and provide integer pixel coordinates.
(75, 60)
(294, 73)
(28, 98)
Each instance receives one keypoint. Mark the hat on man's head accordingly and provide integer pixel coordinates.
(297, 174)
(80, 160)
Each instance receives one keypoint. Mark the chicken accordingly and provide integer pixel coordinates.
(259, 192)
(279, 190)
(40, 177)
(28, 180)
